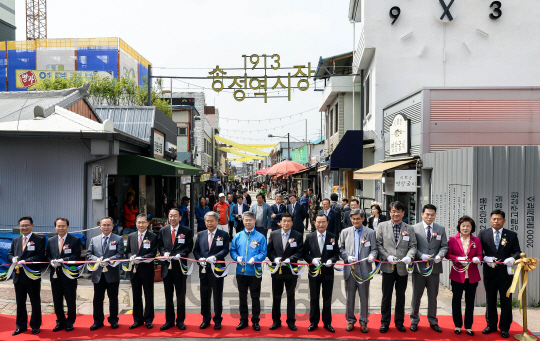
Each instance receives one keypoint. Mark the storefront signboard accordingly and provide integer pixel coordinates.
(159, 144)
(405, 181)
(399, 135)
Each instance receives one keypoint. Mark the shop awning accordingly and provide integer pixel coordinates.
(376, 171)
(142, 165)
(349, 151)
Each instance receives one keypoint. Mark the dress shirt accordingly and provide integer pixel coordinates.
(357, 237)
(495, 236)
(240, 207)
(259, 216)
(61, 241)
(287, 234)
(426, 228)
(397, 231)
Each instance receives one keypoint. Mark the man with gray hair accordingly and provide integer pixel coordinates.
(357, 243)
(212, 245)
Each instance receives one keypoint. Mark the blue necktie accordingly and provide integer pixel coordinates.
(105, 242)
(497, 240)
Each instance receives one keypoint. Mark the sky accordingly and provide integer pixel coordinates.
(190, 38)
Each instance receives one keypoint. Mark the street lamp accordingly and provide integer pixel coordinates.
(288, 144)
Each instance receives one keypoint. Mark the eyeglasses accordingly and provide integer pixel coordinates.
(25, 225)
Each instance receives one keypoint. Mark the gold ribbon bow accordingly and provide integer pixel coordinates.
(524, 265)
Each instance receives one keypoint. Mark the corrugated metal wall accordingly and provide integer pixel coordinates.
(475, 181)
(411, 107)
(42, 177)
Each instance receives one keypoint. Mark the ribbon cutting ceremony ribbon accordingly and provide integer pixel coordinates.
(524, 265)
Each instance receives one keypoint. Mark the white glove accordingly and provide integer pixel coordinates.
(391, 259)
(437, 259)
(509, 261)
(370, 258)
(167, 254)
(425, 257)
(239, 259)
(138, 258)
(54, 263)
(202, 260)
(406, 260)
(21, 262)
(489, 261)
(277, 260)
(462, 260)
(211, 259)
(132, 257)
(476, 260)
(351, 259)
(316, 262)
(328, 263)
(103, 262)
(177, 257)
(251, 261)
(288, 261)
(15, 260)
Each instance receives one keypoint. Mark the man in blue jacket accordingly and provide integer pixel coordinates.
(248, 247)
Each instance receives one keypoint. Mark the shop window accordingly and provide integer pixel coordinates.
(366, 96)
(331, 126)
(336, 120)
(182, 131)
(104, 58)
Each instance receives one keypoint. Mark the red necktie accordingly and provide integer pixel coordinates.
(173, 236)
(140, 241)
(24, 243)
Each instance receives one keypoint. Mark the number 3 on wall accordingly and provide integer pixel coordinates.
(497, 13)
(394, 13)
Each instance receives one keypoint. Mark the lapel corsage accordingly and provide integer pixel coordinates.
(332, 241)
(113, 243)
(146, 241)
(219, 239)
(473, 245)
(66, 247)
(363, 240)
(404, 233)
(291, 240)
(254, 242)
(503, 241)
(30, 244)
(435, 234)
(181, 236)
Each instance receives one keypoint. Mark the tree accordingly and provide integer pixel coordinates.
(109, 91)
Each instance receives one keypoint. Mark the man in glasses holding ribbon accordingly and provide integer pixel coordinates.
(432, 246)
(357, 243)
(63, 247)
(26, 248)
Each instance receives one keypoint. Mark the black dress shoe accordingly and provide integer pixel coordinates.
(96, 326)
(135, 325)
(414, 327)
(275, 325)
(114, 325)
(383, 329)
(505, 335)
(435, 327)
(181, 326)
(217, 326)
(488, 330)
(167, 325)
(58, 328)
(470, 333)
(256, 327)
(18, 331)
(401, 328)
(457, 331)
(312, 327)
(204, 325)
(242, 325)
(329, 328)
(36, 331)
(292, 326)
(149, 325)
(69, 328)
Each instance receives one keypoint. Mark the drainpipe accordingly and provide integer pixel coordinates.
(85, 180)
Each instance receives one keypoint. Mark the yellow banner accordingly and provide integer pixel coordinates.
(242, 147)
(241, 159)
(260, 145)
(235, 152)
(205, 177)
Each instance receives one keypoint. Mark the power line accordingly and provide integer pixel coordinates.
(257, 130)
(267, 119)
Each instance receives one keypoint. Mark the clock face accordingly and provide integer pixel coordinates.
(446, 10)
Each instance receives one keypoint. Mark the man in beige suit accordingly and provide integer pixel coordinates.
(355, 243)
(396, 241)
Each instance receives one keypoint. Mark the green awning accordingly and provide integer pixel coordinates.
(142, 165)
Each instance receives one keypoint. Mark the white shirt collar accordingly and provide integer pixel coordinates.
(323, 234)
(495, 231)
(426, 225)
(28, 237)
(141, 234)
(103, 236)
(175, 227)
(64, 238)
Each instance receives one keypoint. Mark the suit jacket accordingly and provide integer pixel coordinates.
(275, 250)
(165, 245)
(73, 244)
(455, 250)
(334, 221)
(382, 218)
(510, 249)
(311, 251)
(278, 210)
(237, 221)
(437, 246)
(144, 270)
(386, 245)
(95, 252)
(37, 255)
(346, 249)
(219, 251)
(267, 214)
(299, 216)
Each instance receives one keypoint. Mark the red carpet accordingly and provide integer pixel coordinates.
(82, 331)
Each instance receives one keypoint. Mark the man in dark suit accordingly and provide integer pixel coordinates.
(246, 195)
(212, 245)
(142, 244)
(298, 213)
(29, 247)
(237, 212)
(333, 219)
(277, 211)
(285, 246)
(321, 247)
(63, 247)
(498, 244)
(106, 246)
(174, 241)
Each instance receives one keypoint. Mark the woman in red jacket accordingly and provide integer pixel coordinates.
(462, 248)
(130, 211)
